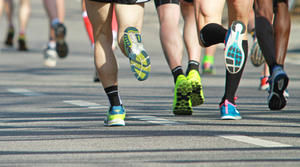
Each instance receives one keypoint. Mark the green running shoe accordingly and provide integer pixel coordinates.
(182, 104)
(138, 58)
(208, 65)
(115, 116)
(197, 96)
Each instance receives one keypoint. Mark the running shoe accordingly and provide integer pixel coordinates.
(234, 53)
(61, 45)
(10, 37)
(208, 65)
(256, 56)
(229, 111)
(22, 43)
(197, 96)
(138, 58)
(182, 104)
(50, 56)
(278, 84)
(264, 84)
(115, 116)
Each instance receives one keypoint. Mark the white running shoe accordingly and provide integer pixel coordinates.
(50, 56)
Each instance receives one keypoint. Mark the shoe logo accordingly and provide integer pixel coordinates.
(280, 84)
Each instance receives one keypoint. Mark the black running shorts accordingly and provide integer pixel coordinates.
(123, 1)
(161, 2)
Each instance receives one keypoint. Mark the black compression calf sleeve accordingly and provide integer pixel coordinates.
(212, 34)
(265, 37)
(233, 80)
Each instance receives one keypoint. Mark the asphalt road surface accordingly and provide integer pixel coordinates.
(54, 116)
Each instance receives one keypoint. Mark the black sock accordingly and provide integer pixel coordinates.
(193, 65)
(113, 95)
(233, 80)
(212, 34)
(265, 37)
(176, 72)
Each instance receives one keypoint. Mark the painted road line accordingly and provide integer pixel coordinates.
(150, 119)
(255, 141)
(86, 104)
(25, 92)
(156, 120)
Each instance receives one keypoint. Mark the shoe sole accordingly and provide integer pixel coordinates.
(62, 48)
(115, 122)
(277, 101)
(256, 57)
(197, 96)
(231, 117)
(138, 58)
(183, 95)
(234, 54)
(48, 61)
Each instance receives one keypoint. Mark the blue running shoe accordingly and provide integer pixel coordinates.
(278, 83)
(234, 53)
(138, 58)
(115, 116)
(229, 111)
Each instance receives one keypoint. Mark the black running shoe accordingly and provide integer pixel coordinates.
(278, 84)
(61, 45)
(22, 44)
(10, 37)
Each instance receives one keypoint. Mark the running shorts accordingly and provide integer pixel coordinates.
(161, 2)
(123, 1)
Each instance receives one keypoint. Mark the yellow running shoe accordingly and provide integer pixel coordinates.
(197, 96)
(182, 104)
(115, 116)
(138, 58)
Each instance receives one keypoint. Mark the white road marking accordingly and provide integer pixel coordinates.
(255, 141)
(150, 119)
(83, 103)
(156, 120)
(25, 92)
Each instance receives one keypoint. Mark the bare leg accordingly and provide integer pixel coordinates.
(51, 9)
(170, 37)
(239, 10)
(127, 18)
(24, 14)
(60, 4)
(282, 27)
(190, 31)
(204, 15)
(100, 16)
(9, 9)
(1, 7)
